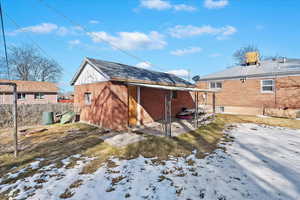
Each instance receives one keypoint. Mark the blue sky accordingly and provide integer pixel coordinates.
(177, 36)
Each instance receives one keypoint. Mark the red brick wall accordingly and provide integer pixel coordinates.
(248, 94)
(288, 92)
(109, 104)
(153, 103)
(29, 99)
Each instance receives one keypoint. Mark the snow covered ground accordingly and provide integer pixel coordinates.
(262, 163)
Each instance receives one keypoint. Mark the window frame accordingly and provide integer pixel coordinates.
(174, 94)
(215, 83)
(262, 85)
(90, 98)
(22, 94)
(39, 96)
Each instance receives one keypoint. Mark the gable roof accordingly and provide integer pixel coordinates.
(266, 68)
(126, 73)
(30, 86)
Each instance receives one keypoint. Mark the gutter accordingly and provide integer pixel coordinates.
(251, 76)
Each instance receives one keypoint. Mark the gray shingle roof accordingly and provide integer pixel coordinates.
(266, 68)
(122, 71)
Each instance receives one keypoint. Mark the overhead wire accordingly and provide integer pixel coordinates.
(74, 23)
(29, 37)
(4, 42)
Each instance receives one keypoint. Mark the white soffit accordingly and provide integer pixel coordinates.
(163, 87)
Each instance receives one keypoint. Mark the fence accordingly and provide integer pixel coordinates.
(30, 114)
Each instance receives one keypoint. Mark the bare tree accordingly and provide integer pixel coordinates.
(240, 54)
(26, 63)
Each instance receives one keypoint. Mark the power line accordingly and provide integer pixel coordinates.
(73, 22)
(87, 31)
(29, 37)
(4, 42)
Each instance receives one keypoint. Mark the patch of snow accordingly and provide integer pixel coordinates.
(263, 116)
(262, 162)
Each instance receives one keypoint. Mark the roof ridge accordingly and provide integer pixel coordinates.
(139, 68)
(266, 67)
(120, 71)
(6, 80)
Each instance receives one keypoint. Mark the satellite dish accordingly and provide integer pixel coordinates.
(196, 78)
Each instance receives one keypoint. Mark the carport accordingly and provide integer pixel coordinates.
(168, 102)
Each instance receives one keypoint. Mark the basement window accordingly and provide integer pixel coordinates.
(267, 86)
(39, 96)
(215, 85)
(21, 96)
(88, 98)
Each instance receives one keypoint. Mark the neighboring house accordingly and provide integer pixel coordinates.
(257, 89)
(29, 92)
(117, 96)
(66, 97)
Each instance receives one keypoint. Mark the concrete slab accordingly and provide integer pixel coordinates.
(122, 139)
(179, 126)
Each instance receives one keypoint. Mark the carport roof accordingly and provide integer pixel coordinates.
(176, 88)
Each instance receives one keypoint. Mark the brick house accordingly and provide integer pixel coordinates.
(271, 87)
(118, 96)
(29, 92)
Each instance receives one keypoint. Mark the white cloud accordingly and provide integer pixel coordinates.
(184, 7)
(73, 30)
(190, 50)
(62, 31)
(180, 31)
(179, 72)
(214, 55)
(47, 28)
(156, 4)
(42, 28)
(74, 42)
(131, 40)
(143, 65)
(165, 5)
(94, 22)
(215, 4)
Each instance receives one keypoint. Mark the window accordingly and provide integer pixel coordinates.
(220, 109)
(267, 86)
(87, 98)
(39, 96)
(215, 85)
(21, 96)
(174, 94)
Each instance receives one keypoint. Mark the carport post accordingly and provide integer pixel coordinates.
(196, 111)
(138, 105)
(166, 116)
(214, 102)
(170, 113)
(195, 114)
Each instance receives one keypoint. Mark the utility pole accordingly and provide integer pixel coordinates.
(4, 42)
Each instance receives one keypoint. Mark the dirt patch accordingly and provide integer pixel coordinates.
(53, 144)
